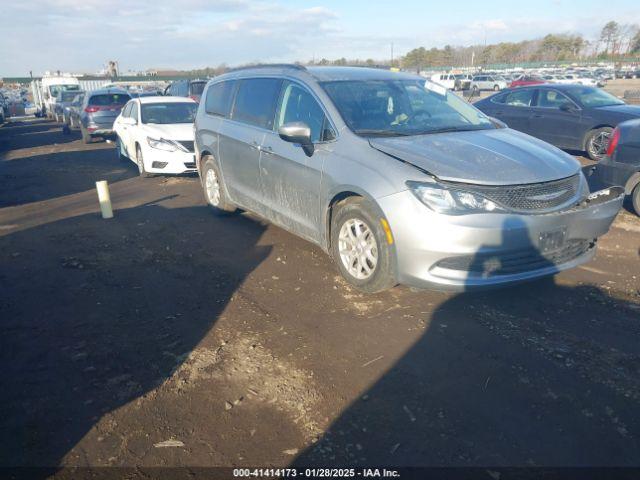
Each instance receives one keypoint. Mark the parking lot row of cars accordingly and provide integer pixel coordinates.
(499, 81)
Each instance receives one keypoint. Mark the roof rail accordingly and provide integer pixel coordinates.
(269, 65)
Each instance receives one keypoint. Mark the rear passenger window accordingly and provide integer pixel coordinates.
(219, 98)
(256, 100)
(298, 105)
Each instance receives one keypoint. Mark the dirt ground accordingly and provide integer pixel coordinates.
(167, 336)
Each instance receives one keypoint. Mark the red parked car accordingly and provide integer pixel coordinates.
(525, 80)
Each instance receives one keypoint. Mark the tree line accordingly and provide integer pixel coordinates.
(615, 42)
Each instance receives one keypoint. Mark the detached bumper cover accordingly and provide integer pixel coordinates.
(481, 250)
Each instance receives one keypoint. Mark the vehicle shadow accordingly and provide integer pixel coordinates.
(21, 135)
(96, 314)
(539, 374)
(68, 172)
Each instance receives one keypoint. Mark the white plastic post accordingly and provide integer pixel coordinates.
(104, 198)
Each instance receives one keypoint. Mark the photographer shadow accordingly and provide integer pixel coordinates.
(520, 376)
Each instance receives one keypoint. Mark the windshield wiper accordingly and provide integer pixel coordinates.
(449, 129)
(381, 133)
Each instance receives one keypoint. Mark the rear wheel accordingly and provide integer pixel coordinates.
(120, 156)
(597, 142)
(215, 191)
(635, 199)
(86, 138)
(360, 246)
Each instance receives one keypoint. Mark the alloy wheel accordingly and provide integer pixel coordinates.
(358, 248)
(139, 161)
(598, 144)
(212, 187)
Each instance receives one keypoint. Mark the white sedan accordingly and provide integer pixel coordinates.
(157, 134)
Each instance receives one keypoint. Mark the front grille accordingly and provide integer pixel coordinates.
(186, 144)
(518, 261)
(530, 197)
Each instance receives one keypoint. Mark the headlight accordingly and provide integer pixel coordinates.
(161, 144)
(450, 201)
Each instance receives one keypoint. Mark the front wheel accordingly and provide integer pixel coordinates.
(597, 142)
(215, 191)
(635, 199)
(360, 246)
(140, 162)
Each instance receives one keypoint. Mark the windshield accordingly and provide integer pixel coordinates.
(196, 88)
(402, 107)
(55, 89)
(168, 113)
(594, 97)
(68, 96)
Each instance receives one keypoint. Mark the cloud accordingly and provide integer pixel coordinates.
(83, 34)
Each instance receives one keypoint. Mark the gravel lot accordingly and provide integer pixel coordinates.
(167, 336)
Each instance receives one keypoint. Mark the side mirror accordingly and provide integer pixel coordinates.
(130, 122)
(498, 123)
(297, 132)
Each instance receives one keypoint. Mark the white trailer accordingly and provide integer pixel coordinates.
(45, 91)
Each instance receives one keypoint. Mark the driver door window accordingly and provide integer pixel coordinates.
(298, 105)
(551, 99)
(519, 98)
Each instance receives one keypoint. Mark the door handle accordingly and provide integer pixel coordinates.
(255, 145)
(267, 150)
(537, 115)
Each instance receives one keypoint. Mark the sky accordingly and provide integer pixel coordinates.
(80, 36)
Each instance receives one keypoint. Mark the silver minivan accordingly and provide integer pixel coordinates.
(398, 179)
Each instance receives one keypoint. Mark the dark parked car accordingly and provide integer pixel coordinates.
(186, 88)
(64, 98)
(99, 110)
(621, 165)
(71, 113)
(572, 117)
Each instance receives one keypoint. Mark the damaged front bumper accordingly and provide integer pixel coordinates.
(491, 249)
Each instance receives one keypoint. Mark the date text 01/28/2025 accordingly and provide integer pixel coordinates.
(315, 473)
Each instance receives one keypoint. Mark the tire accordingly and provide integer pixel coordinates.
(596, 142)
(496, 88)
(140, 162)
(360, 248)
(635, 199)
(215, 191)
(86, 138)
(119, 154)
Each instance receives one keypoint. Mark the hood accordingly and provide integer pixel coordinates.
(630, 110)
(488, 157)
(175, 131)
